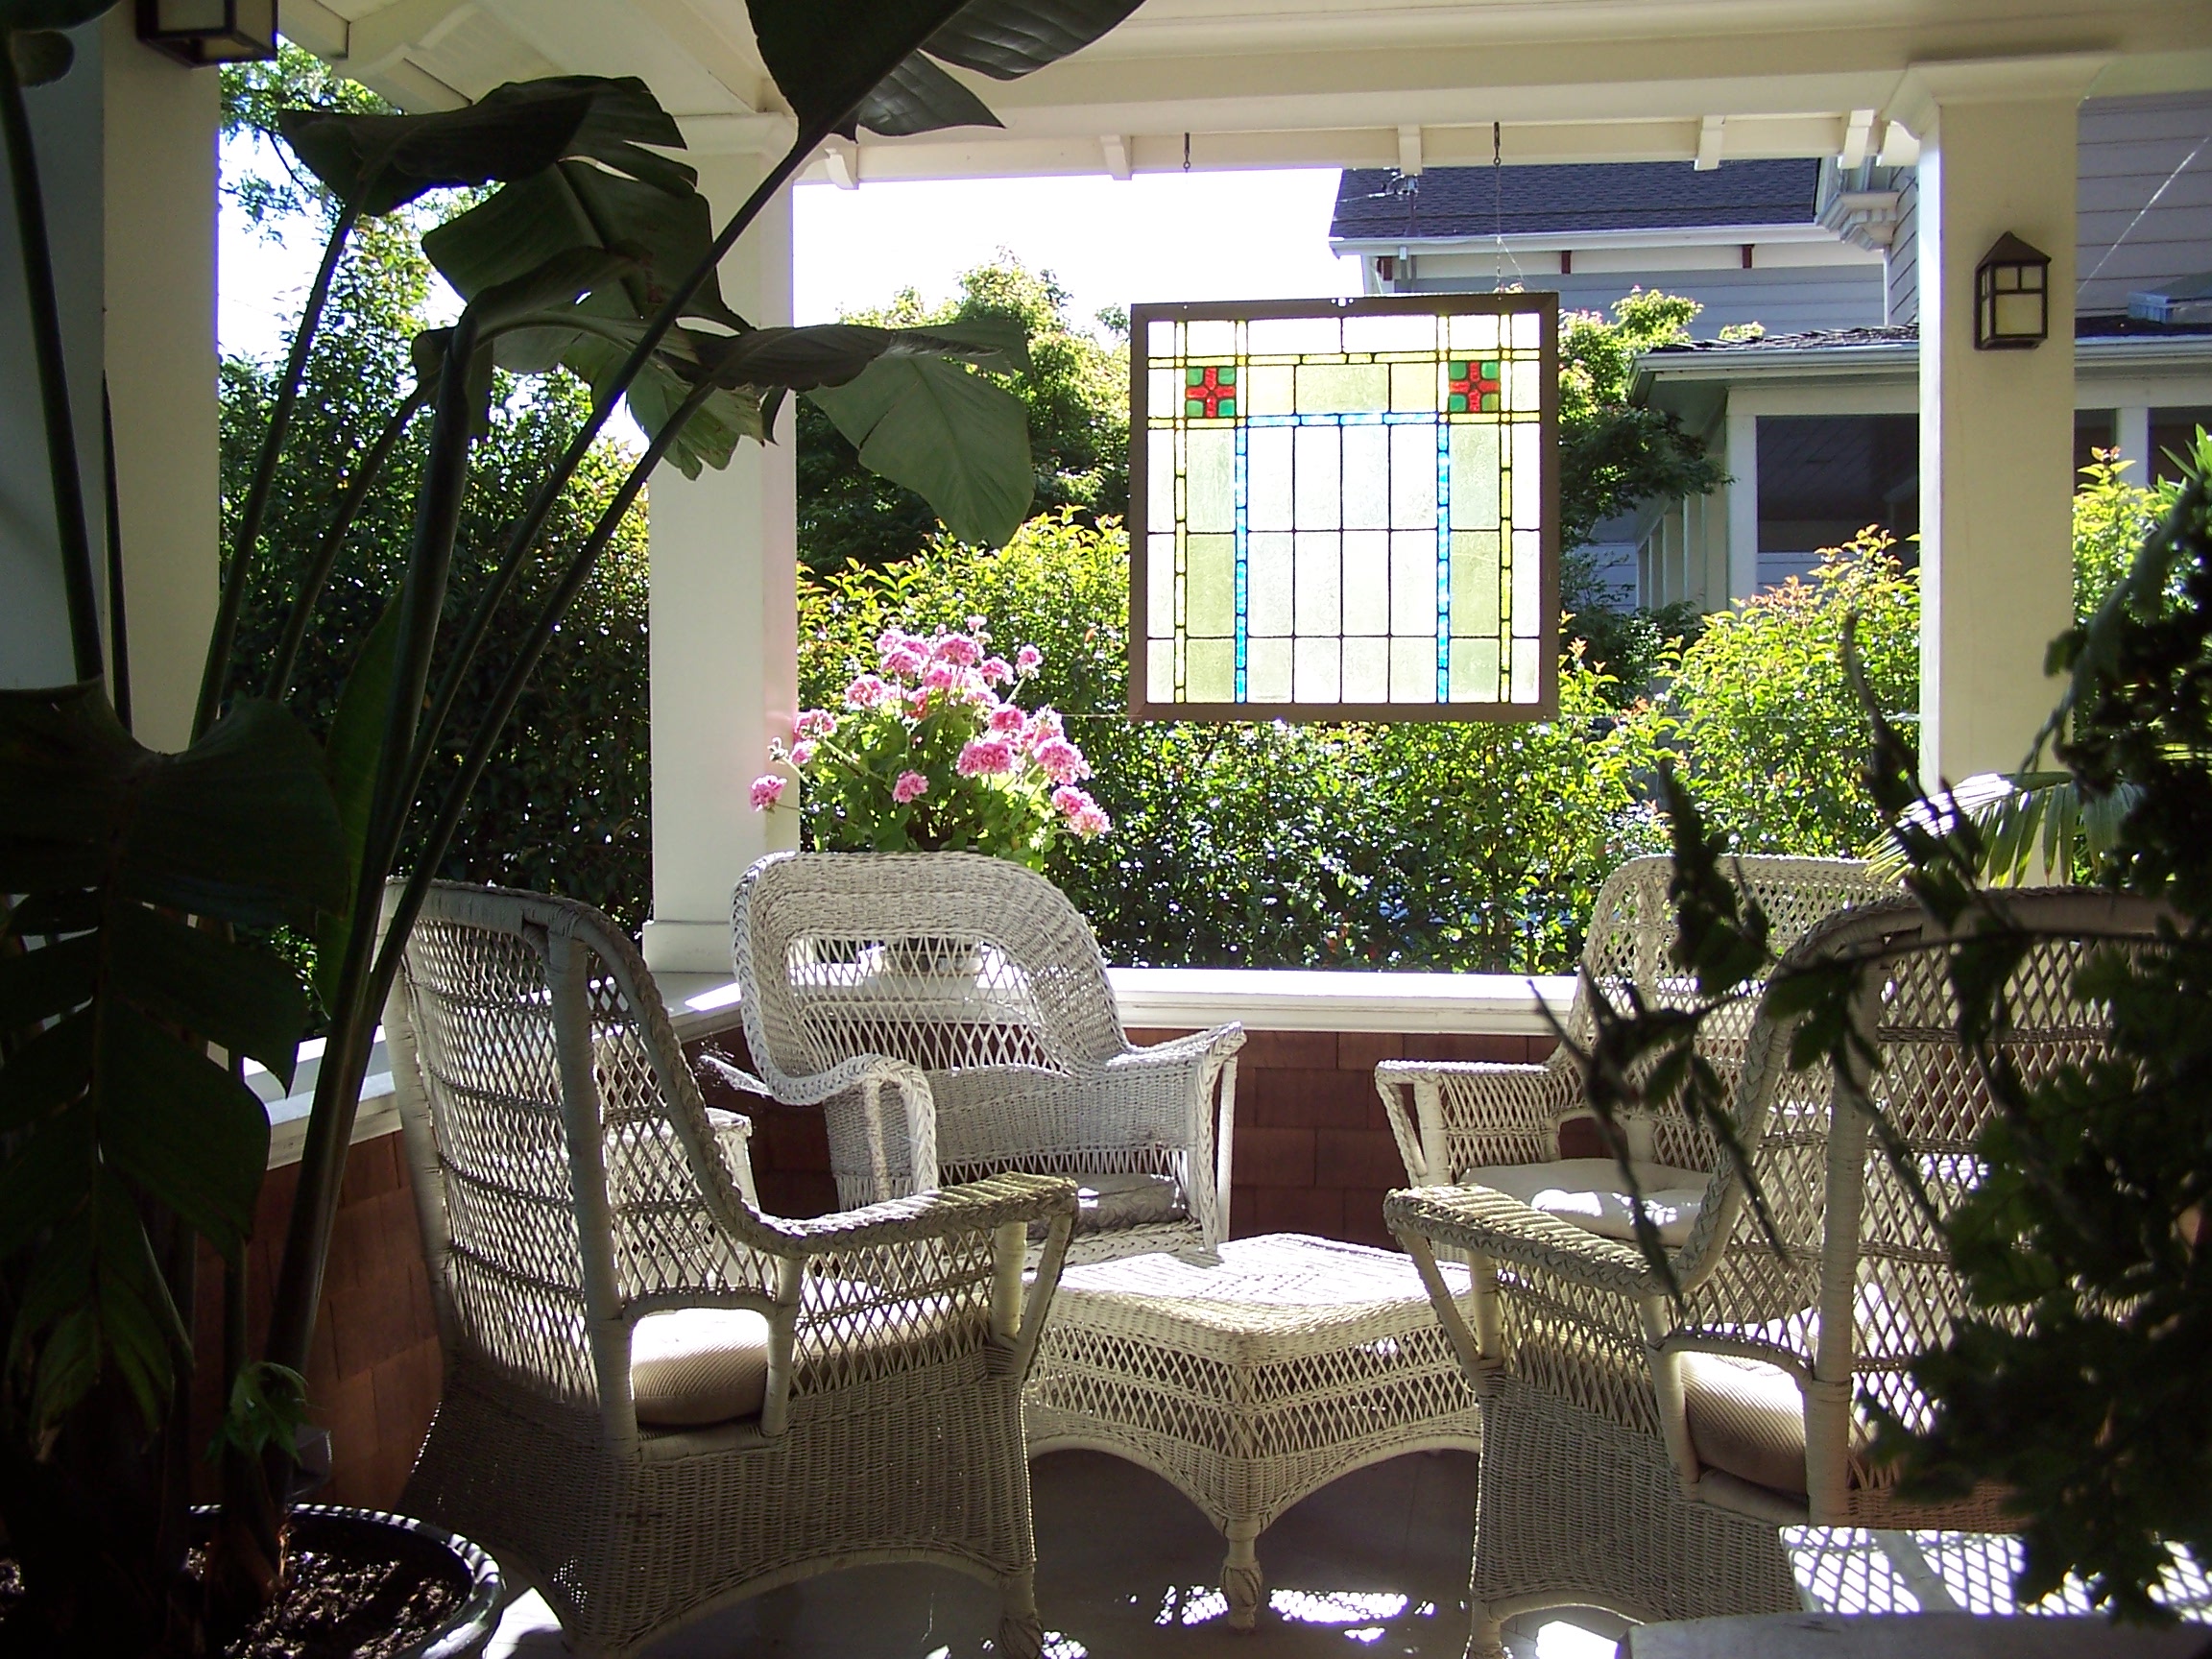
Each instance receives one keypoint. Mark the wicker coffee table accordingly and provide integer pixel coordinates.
(1249, 1379)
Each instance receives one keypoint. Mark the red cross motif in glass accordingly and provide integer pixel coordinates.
(1210, 392)
(1472, 386)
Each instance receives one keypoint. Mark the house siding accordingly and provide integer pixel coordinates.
(1785, 299)
(2134, 150)
(1903, 267)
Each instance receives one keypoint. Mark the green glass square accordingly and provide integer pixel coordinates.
(1193, 376)
(1227, 406)
(1457, 368)
(1227, 375)
(1193, 406)
(1489, 402)
(1457, 405)
(1490, 369)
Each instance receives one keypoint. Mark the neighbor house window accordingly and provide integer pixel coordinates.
(1346, 509)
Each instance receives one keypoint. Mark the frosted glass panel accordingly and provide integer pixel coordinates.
(1347, 508)
(1268, 676)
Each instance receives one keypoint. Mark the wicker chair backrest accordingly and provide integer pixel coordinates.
(1865, 1260)
(570, 1166)
(1631, 940)
(949, 960)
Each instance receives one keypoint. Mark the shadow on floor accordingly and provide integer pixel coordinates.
(1375, 1564)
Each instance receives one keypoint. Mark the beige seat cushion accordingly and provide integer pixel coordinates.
(698, 1365)
(1747, 1419)
(1109, 1202)
(1589, 1192)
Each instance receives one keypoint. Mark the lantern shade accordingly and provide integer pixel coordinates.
(2012, 297)
(198, 31)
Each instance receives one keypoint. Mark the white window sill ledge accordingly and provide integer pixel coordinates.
(1150, 999)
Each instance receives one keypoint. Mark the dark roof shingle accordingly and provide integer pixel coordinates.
(1377, 202)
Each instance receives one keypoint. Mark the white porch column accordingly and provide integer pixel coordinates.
(2133, 441)
(1996, 427)
(724, 629)
(160, 209)
(1742, 501)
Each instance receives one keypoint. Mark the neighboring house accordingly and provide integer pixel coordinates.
(1744, 239)
(1817, 423)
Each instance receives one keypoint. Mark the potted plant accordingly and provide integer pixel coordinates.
(2076, 1382)
(933, 752)
(132, 986)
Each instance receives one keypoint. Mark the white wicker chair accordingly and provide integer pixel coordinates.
(951, 1016)
(657, 1400)
(1640, 1454)
(1498, 1126)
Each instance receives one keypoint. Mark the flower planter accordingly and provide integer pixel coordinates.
(378, 1533)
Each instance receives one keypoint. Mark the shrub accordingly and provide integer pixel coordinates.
(1773, 740)
(1429, 843)
(2112, 518)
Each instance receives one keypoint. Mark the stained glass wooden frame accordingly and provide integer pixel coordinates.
(1219, 423)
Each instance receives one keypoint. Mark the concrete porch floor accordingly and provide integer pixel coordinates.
(1375, 1564)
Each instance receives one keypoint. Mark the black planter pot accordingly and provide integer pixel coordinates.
(469, 1624)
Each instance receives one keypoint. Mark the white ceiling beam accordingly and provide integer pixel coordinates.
(376, 41)
(1409, 152)
(1857, 135)
(1709, 131)
(841, 162)
(1115, 148)
(313, 25)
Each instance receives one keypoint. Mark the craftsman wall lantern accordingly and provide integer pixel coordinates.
(195, 32)
(2012, 297)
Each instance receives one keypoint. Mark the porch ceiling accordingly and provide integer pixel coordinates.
(1317, 83)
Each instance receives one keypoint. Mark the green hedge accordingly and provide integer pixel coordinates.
(1424, 845)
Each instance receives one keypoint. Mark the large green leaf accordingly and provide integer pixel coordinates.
(834, 353)
(827, 59)
(842, 65)
(116, 1105)
(40, 54)
(379, 162)
(1007, 39)
(356, 743)
(953, 437)
(918, 96)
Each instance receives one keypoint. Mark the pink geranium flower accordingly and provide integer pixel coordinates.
(866, 692)
(1084, 815)
(958, 650)
(985, 757)
(1060, 761)
(802, 754)
(767, 790)
(1044, 728)
(814, 723)
(996, 670)
(1006, 720)
(911, 787)
(940, 677)
(1028, 659)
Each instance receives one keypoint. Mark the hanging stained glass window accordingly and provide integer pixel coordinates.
(1345, 509)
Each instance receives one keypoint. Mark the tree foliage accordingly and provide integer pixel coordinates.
(1076, 388)
(565, 807)
(1770, 731)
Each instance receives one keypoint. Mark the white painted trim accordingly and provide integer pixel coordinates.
(1591, 241)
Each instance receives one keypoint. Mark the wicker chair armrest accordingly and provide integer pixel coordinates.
(1506, 1232)
(975, 1206)
(1461, 1114)
(813, 1087)
(1211, 1046)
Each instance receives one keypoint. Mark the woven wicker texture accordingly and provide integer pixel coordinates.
(950, 1013)
(1574, 1336)
(570, 1184)
(1251, 1377)
(1449, 1117)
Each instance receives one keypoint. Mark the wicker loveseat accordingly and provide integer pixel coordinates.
(950, 1013)
(657, 1400)
(1640, 1452)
